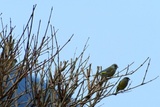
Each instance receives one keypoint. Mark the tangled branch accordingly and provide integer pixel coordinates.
(32, 73)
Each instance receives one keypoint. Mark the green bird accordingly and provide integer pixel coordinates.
(122, 84)
(110, 71)
(14, 62)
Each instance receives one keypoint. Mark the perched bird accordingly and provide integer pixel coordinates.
(110, 71)
(14, 62)
(122, 84)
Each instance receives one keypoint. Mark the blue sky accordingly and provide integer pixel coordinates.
(120, 31)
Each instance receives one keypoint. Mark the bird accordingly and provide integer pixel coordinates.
(122, 84)
(14, 62)
(109, 72)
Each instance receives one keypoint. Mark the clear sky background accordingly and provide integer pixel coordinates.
(120, 31)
